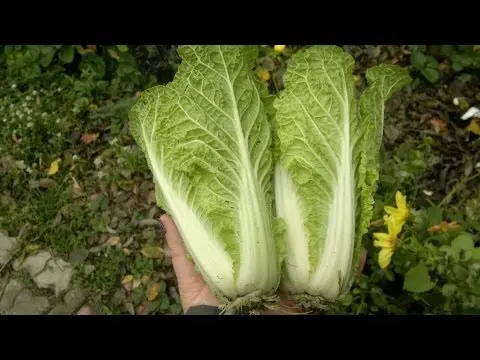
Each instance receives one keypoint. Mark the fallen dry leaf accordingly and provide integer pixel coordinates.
(444, 226)
(76, 189)
(145, 279)
(47, 183)
(113, 54)
(129, 307)
(439, 126)
(113, 240)
(151, 251)
(128, 286)
(127, 279)
(377, 223)
(152, 291)
(88, 138)
(136, 283)
(53, 167)
(127, 251)
(474, 126)
(141, 310)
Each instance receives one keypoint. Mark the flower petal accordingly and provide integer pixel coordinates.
(394, 225)
(384, 244)
(385, 257)
(390, 210)
(401, 201)
(381, 236)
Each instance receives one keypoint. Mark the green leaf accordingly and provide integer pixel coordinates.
(457, 67)
(417, 279)
(93, 65)
(449, 289)
(431, 74)
(476, 288)
(378, 298)
(47, 56)
(463, 242)
(66, 54)
(81, 103)
(418, 60)
(138, 296)
(475, 254)
(165, 305)
(390, 275)
(122, 48)
(460, 272)
(347, 300)
(433, 216)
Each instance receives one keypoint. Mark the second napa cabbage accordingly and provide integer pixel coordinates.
(328, 142)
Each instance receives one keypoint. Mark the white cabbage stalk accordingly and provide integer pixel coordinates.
(326, 173)
(207, 139)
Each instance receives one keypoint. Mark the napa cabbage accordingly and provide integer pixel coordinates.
(328, 143)
(207, 139)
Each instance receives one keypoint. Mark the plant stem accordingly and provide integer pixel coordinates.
(452, 192)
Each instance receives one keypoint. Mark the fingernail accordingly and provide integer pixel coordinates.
(162, 227)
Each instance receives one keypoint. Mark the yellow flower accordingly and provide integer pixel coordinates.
(387, 242)
(279, 48)
(263, 75)
(53, 167)
(401, 212)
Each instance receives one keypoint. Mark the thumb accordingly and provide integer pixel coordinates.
(184, 268)
(172, 236)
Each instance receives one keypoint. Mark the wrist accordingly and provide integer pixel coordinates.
(203, 310)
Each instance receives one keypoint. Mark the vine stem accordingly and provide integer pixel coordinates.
(452, 192)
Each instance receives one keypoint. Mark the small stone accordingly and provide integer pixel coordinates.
(60, 309)
(114, 222)
(85, 310)
(152, 212)
(47, 183)
(119, 296)
(47, 272)
(172, 291)
(28, 304)
(78, 256)
(98, 248)
(128, 242)
(113, 240)
(10, 292)
(35, 263)
(74, 298)
(130, 309)
(6, 245)
(57, 276)
(148, 222)
(3, 283)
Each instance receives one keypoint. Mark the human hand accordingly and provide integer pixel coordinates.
(193, 289)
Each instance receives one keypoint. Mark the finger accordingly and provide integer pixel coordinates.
(184, 268)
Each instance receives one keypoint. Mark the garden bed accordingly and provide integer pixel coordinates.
(74, 184)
